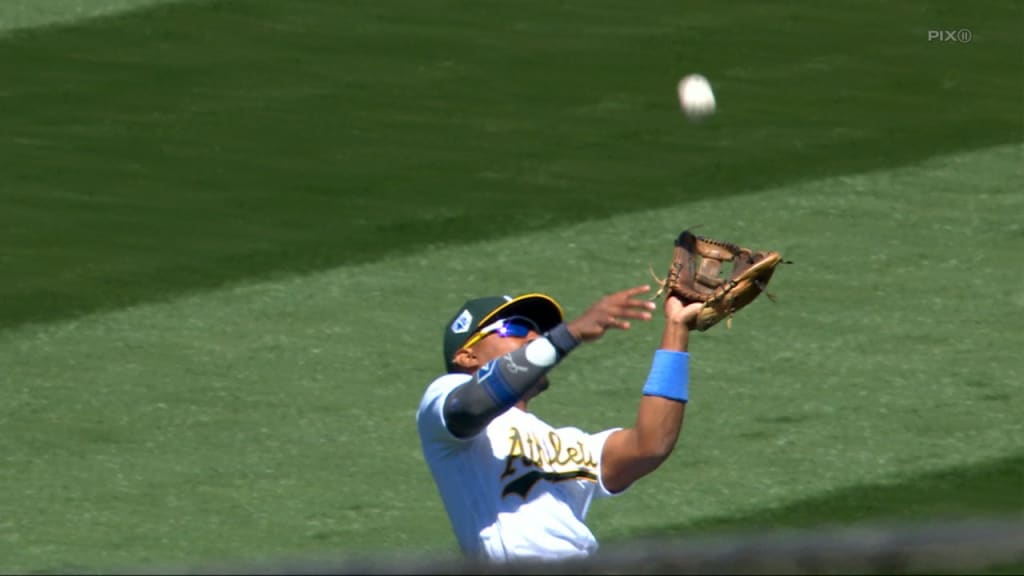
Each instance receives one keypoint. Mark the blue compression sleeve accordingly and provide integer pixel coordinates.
(497, 385)
(669, 376)
(502, 382)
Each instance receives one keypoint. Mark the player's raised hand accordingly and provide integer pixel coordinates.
(612, 311)
(678, 312)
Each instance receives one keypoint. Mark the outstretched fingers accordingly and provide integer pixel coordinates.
(622, 305)
(615, 322)
(636, 313)
(612, 311)
(634, 291)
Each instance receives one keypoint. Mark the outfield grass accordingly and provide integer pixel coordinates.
(277, 417)
(990, 489)
(231, 231)
(191, 145)
(24, 14)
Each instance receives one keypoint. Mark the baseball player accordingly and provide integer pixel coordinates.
(515, 487)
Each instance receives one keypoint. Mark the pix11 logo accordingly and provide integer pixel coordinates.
(961, 36)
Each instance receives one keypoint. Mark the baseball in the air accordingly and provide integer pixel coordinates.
(696, 97)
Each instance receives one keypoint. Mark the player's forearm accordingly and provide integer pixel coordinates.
(657, 427)
(675, 337)
(660, 415)
(632, 453)
(501, 383)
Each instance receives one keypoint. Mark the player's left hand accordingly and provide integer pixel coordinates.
(677, 312)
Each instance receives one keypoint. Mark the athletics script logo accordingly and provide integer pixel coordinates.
(547, 458)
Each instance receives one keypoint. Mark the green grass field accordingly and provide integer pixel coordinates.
(231, 232)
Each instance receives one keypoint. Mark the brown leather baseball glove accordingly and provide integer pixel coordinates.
(700, 272)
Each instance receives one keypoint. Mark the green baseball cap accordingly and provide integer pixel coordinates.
(545, 312)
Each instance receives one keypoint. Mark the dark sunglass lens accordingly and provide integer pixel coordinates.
(517, 329)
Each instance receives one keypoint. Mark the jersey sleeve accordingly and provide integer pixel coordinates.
(430, 416)
(593, 446)
(595, 442)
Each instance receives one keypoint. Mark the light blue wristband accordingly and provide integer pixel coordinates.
(669, 376)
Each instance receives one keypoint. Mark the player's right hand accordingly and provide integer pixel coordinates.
(612, 311)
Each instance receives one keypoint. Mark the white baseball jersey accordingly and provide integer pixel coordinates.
(518, 490)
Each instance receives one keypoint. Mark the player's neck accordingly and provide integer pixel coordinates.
(521, 405)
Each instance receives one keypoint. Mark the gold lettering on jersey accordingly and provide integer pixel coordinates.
(536, 451)
(515, 450)
(552, 460)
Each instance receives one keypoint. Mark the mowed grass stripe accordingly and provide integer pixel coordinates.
(277, 417)
(193, 145)
(22, 14)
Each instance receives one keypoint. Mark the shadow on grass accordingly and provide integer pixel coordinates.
(990, 489)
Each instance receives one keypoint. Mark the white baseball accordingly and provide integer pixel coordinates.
(696, 96)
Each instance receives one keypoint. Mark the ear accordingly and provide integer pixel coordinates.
(467, 360)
